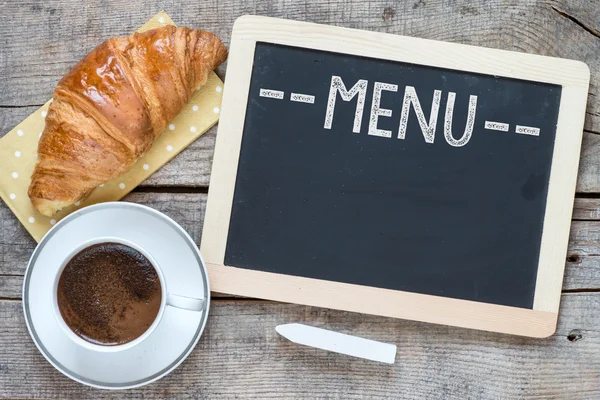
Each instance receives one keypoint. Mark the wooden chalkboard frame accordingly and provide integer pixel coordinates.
(573, 76)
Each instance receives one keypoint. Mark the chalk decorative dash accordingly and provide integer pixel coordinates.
(302, 98)
(338, 342)
(273, 94)
(527, 130)
(496, 126)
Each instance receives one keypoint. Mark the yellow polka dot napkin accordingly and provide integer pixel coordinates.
(18, 152)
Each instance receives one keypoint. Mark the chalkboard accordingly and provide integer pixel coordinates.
(389, 174)
(317, 198)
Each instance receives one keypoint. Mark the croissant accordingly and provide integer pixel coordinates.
(108, 110)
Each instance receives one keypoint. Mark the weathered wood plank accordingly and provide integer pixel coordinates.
(12, 116)
(583, 262)
(241, 356)
(10, 286)
(586, 209)
(16, 245)
(588, 180)
(583, 256)
(63, 35)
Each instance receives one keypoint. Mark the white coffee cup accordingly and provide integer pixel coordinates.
(167, 299)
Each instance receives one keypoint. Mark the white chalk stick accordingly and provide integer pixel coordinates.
(338, 342)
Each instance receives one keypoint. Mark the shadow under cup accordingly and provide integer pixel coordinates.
(112, 307)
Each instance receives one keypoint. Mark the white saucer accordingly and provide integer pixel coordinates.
(175, 335)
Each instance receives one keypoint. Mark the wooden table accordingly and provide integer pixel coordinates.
(240, 355)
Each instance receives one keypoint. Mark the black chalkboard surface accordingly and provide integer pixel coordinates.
(463, 222)
(426, 186)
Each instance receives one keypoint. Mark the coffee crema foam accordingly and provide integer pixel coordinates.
(109, 294)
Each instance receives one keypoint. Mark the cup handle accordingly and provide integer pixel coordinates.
(185, 303)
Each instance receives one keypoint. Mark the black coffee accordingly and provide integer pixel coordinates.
(109, 294)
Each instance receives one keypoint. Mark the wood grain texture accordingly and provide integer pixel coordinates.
(16, 245)
(588, 180)
(586, 209)
(583, 257)
(583, 260)
(241, 356)
(11, 287)
(54, 35)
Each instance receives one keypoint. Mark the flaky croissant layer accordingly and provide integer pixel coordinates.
(108, 110)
